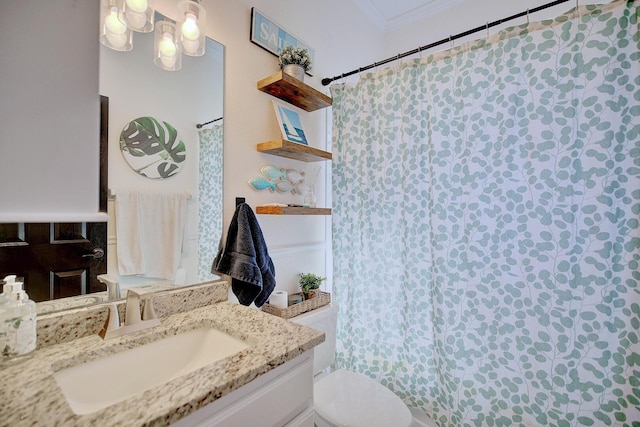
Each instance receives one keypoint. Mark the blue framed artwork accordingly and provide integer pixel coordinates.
(272, 37)
(290, 124)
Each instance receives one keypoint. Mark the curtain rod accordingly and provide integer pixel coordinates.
(327, 81)
(199, 125)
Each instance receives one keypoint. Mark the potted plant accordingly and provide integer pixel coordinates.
(310, 284)
(294, 61)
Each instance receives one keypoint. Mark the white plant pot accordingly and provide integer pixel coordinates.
(294, 70)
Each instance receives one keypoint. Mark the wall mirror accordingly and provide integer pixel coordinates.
(135, 87)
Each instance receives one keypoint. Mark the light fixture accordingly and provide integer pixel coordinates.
(191, 23)
(114, 32)
(138, 15)
(167, 56)
(119, 18)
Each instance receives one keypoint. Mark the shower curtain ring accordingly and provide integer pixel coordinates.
(451, 42)
(487, 28)
(528, 17)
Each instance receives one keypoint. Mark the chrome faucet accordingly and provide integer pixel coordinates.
(113, 287)
(134, 321)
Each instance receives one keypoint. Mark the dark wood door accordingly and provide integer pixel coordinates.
(58, 260)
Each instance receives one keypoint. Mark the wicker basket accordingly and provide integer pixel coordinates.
(323, 298)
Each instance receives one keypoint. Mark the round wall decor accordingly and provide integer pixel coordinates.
(152, 148)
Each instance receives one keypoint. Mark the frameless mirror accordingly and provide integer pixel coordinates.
(135, 87)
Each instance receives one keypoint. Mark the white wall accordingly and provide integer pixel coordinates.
(343, 38)
(470, 14)
(49, 114)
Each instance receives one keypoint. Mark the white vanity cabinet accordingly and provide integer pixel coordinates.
(281, 397)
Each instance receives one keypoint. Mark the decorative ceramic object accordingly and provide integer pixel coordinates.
(259, 183)
(294, 70)
(273, 172)
(278, 179)
(151, 148)
(285, 187)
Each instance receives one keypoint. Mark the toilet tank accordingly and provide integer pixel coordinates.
(323, 319)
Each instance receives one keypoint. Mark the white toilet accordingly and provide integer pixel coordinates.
(344, 398)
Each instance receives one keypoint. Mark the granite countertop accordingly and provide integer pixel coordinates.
(31, 397)
(45, 307)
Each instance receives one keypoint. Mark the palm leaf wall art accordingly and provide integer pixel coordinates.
(152, 148)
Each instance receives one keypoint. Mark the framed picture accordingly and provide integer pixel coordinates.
(270, 36)
(291, 125)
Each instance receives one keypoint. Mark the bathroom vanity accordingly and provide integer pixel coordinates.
(266, 381)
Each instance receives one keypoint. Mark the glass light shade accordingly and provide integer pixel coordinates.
(138, 15)
(191, 24)
(114, 32)
(166, 53)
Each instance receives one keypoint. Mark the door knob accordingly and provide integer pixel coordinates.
(96, 253)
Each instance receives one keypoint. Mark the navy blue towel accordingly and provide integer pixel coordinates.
(245, 258)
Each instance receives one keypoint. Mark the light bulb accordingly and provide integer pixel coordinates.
(168, 51)
(139, 6)
(168, 61)
(115, 32)
(136, 20)
(190, 46)
(190, 28)
(167, 46)
(113, 23)
(117, 40)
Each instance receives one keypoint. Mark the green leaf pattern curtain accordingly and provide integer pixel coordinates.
(486, 225)
(209, 198)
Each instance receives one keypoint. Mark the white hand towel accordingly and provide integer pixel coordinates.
(153, 237)
(128, 233)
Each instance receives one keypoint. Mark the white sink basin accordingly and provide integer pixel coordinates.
(100, 383)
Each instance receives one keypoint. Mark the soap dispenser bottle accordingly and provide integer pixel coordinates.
(8, 283)
(17, 321)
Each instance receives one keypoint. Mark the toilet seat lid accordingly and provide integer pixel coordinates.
(344, 398)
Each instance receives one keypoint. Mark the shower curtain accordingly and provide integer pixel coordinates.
(486, 225)
(209, 198)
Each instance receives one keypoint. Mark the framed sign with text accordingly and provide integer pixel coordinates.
(272, 37)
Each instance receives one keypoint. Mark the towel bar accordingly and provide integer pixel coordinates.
(112, 194)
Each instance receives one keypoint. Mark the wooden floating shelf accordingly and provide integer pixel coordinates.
(293, 150)
(292, 90)
(287, 210)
